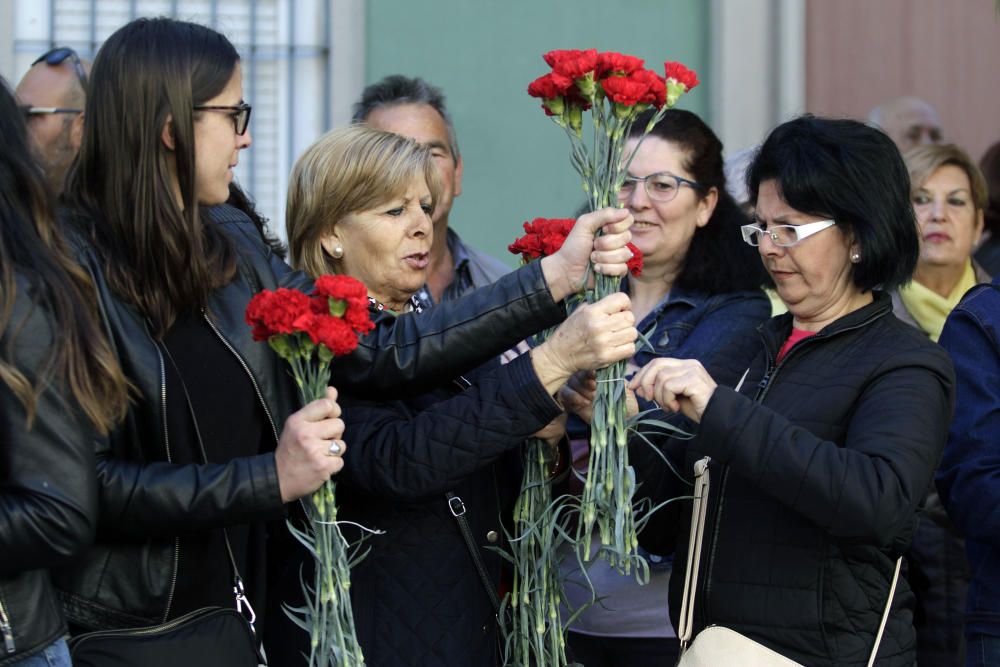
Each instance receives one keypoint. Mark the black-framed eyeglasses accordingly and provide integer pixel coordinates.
(239, 112)
(58, 56)
(661, 186)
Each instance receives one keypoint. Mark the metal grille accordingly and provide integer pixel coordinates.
(285, 52)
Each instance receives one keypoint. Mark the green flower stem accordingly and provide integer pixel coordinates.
(327, 614)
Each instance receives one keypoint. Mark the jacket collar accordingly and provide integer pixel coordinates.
(777, 329)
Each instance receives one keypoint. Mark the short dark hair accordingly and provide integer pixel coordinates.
(717, 261)
(850, 172)
(397, 89)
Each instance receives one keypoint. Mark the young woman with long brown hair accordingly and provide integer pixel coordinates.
(60, 389)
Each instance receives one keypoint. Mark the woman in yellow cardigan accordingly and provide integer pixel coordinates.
(949, 195)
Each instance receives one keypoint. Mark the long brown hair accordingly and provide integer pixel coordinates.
(30, 245)
(159, 255)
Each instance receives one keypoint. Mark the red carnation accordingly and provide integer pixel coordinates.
(274, 313)
(573, 63)
(635, 264)
(656, 87)
(613, 62)
(335, 334)
(340, 287)
(681, 74)
(550, 86)
(624, 90)
(543, 237)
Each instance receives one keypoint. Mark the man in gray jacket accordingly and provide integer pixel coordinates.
(413, 108)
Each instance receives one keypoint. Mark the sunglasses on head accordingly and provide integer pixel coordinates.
(57, 56)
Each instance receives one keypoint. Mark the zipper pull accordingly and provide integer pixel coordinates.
(7, 630)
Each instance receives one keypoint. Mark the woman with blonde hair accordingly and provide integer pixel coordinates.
(432, 471)
(949, 196)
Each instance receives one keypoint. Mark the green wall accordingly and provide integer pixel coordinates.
(484, 53)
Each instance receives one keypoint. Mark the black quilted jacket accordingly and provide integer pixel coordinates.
(417, 597)
(818, 467)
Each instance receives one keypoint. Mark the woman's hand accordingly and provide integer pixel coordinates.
(310, 448)
(679, 385)
(565, 270)
(553, 431)
(594, 336)
(577, 395)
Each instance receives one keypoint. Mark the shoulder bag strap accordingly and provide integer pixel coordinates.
(457, 508)
(885, 613)
(685, 627)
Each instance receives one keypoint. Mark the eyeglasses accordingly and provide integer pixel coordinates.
(240, 114)
(661, 186)
(29, 111)
(784, 235)
(58, 56)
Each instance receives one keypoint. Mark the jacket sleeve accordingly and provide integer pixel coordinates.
(969, 477)
(157, 499)
(408, 354)
(410, 457)
(865, 490)
(48, 490)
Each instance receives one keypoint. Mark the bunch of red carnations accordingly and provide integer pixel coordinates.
(308, 332)
(615, 88)
(535, 630)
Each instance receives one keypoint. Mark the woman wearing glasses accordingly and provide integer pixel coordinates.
(214, 443)
(698, 297)
(819, 460)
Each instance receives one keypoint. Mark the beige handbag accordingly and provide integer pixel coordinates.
(716, 646)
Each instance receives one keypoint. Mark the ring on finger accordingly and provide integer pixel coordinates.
(334, 449)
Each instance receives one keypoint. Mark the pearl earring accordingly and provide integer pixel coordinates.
(855, 257)
(338, 251)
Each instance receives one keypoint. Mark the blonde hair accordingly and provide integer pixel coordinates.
(347, 170)
(923, 161)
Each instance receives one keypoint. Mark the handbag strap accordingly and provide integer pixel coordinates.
(685, 625)
(885, 612)
(457, 508)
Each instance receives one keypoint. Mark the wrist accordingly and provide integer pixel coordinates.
(555, 273)
(549, 372)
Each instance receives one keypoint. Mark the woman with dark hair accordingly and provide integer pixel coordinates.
(988, 252)
(214, 443)
(819, 459)
(60, 390)
(698, 297)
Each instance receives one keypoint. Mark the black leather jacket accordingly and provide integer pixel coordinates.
(128, 577)
(48, 492)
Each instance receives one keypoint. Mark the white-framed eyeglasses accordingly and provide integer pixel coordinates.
(784, 235)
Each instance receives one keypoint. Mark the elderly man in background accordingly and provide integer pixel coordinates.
(412, 108)
(909, 122)
(53, 93)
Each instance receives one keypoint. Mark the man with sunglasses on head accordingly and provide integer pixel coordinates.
(52, 94)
